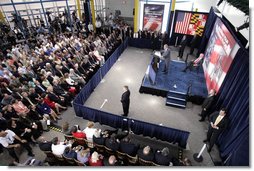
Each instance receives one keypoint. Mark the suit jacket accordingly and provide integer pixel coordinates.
(208, 102)
(223, 124)
(126, 98)
(59, 73)
(128, 148)
(39, 90)
(33, 97)
(99, 141)
(162, 160)
(71, 154)
(45, 146)
(111, 145)
(166, 55)
(58, 90)
(184, 42)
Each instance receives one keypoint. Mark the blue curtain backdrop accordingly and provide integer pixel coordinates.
(234, 95)
(208, 30)
(138, 127)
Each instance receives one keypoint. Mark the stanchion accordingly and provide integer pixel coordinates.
(197, 156)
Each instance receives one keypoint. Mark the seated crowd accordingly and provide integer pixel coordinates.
(114, 142)
(40, 80)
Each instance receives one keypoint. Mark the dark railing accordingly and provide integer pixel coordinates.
(137, 127)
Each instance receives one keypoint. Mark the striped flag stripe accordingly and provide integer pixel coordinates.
(182, 26)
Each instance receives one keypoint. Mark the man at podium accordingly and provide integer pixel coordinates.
(164, 55)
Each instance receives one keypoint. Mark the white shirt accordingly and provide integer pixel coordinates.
(90, 27)
(97, 24)
(8, 139)
(59, 148)
(89, 133)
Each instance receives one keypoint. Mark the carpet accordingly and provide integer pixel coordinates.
(176, 80)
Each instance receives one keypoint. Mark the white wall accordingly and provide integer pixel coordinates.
(125, 6)
(204, 5)
(235, 16)
(200, 5)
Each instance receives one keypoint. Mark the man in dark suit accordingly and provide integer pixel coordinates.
(125, 100)
(98, 138)
(111, 161)
(39, 88)
(44, 145)
(207, 105)
(193, 43)
(111, 143)
(163, 157)
(165, 55)
(182, 47)
(146, 153)
(218, 123)
(127, 147)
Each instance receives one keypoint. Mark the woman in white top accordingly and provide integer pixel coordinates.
(89, 131)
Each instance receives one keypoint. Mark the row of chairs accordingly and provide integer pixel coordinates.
(131, 160)
(56, 160)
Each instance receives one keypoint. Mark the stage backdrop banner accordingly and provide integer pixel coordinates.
(153, 17)
(220, 52)
(190, 23)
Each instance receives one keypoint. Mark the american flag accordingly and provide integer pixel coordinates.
(182, 22)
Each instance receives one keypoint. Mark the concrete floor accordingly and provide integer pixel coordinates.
(129, 70)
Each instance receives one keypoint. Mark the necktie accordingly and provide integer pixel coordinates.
(8, 89)
(41, 88)
(218, 119)
(29, 101)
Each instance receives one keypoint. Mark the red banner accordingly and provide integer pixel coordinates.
(153, 16)
(220, 52)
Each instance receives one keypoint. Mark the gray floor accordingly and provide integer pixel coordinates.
(129, 70)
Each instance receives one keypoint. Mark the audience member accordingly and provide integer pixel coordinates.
(83, 155)
(89, 131)
(44, 145)
(10, 141)
(69, 153)
(163, 157)
(111, 161)
(146, 153)
(95, 159)
(59, 147)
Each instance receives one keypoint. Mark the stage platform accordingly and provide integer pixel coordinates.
(176, 81)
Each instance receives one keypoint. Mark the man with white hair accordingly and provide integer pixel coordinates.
(165, 55)
(111, 161)
(146, 153)
(194, 63)
(76, 77)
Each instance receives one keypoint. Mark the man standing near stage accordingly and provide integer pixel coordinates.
(165, 55)
(125, 100)
(207, 105)
(182, 47)
(218, 122)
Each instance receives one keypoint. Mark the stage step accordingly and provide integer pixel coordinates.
(176, 96)
(176, 103)
(176, 99)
